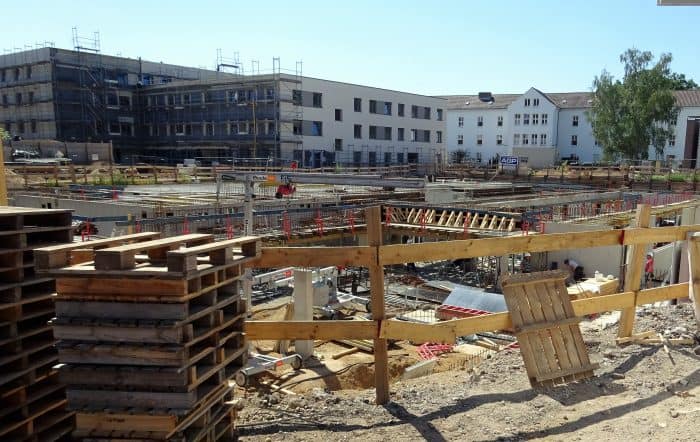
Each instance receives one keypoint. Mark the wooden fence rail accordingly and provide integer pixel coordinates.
(377, 255)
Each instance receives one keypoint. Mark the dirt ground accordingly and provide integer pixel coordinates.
(639, 393)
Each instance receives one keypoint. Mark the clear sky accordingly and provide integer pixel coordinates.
(429, 47)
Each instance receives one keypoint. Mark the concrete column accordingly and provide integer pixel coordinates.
(303, 307)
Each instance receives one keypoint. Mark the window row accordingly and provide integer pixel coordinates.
(480, 139)
(21, 127)
(385, 133)
(386, 108)
(536, 119)
(240, 96)
(19, 100)
(533, 102)
(480, 121)
(212, 129)
(531, 139)
(15, 73)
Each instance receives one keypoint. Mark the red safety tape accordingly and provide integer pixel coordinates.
(185, 226)
(286, 225)
(319, 223)
(350, 215)
(229, 228)
(387, 216)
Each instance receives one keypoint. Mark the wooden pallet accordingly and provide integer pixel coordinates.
(547, 328)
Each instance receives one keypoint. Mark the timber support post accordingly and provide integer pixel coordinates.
(633, 273)
(694, 273)
(376, 276)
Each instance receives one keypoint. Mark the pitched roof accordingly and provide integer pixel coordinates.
(689, 98)
(563, 100)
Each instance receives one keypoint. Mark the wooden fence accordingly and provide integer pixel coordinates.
(375, 256)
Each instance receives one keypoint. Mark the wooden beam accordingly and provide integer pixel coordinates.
(271, 257)
(694, 272)
(471, 248)
(373, 215)
(322, 330)
(634, 271)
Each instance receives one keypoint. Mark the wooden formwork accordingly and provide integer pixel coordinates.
(32, 398)
(150, 333)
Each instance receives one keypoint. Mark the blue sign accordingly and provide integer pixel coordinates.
(509, 161)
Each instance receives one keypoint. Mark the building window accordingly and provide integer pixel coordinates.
(3, 75)
(517, 119)
(526, 140)
(499, 139)
(673, 122)
(426, 111)
(414, 134)
(400, 133)
(372, 106)
(401, 109)
(29, 71)
(479, 140)
(18, 98)
(543, 139)
(296, 127)
(672, 140)
(574, 120)
(479, 121)
(574, 140)
(316, 128)
(460, 121)
(387, 133)
(516, 139)
(317, 99)
(296, 97)
(526, 119)
(186, 99)
(544, 119)
(533, 139)
(399, 157)
(439, 137)
(387, 158)
(338, 115)
(338, 144)
(535, 101)
(209, 129)
(4, 99)
(414, 111)
(535, 119)
(16, 74)
(387, 108)
(373, 132)
(439, 114)
(20, 127)
(460, 139)
(499, 122)
(358, 131)
(179, 129)
(527, 102)
(357, 104)
(32, 125)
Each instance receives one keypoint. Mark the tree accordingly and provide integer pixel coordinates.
(680, 83)
(630, 115)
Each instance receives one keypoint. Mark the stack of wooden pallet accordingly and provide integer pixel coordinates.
(150, 334)
(32, 400)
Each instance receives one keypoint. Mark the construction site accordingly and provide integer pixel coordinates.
(206, 304)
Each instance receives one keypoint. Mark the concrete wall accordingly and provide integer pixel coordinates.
(604, 259)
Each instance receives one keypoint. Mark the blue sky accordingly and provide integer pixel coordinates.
(438, 47)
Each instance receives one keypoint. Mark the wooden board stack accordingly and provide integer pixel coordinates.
(149, 335)
(32, 399)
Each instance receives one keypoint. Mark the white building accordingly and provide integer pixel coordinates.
(366, 126)
(542, 128)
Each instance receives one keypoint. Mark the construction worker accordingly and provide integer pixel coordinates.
(526, 263)
(649, 270)
(575, 270)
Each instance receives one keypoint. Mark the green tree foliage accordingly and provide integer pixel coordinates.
(630, 115)
(680, 83)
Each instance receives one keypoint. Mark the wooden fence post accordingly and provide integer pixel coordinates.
(633, 273)
(694, 273)
(376, 276)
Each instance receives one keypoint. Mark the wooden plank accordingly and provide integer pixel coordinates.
(123, 257)
(96, 333)
(117, 310)
(530, 346)
(120, 286)
(125, 422)
(50, 257)
(173, 356)
(561, 334)
(322, 330)
(470, 248)
(546, 324)
(272, 257)
(658, 294)
(633, 273)
(567, 372)
(694, 272)
(373, 215)
(79, 398)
